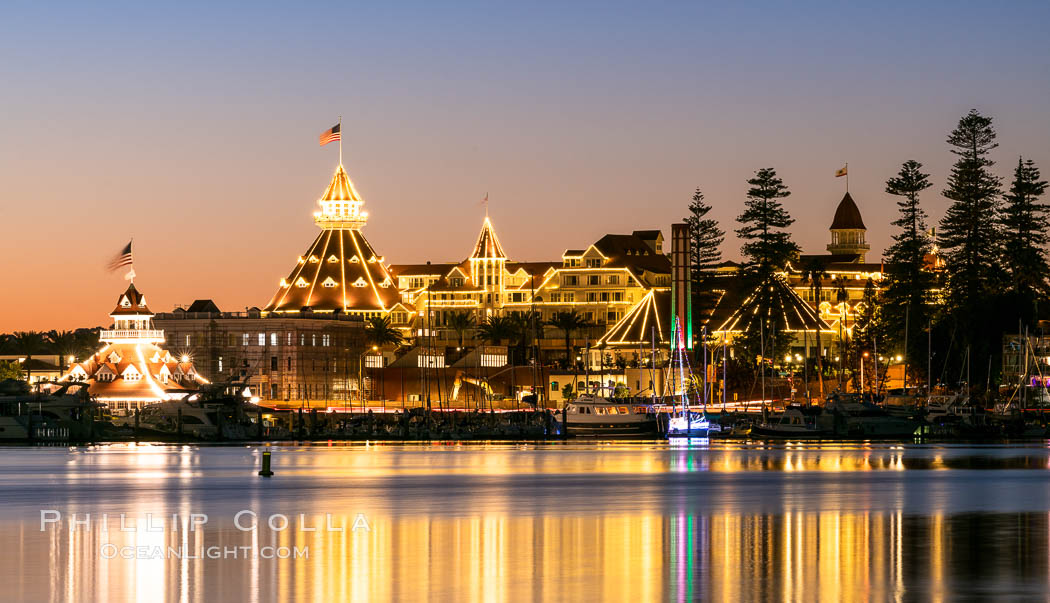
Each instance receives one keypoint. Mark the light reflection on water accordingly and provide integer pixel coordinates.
(599, 521)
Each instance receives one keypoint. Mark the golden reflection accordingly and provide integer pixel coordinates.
(499, 557)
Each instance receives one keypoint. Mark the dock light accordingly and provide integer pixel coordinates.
(787, 357)
(865, 354)
(899, 358)
(798, 357)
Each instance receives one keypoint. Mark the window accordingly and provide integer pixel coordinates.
(244, 339)
(613, 279)
(569, 280)
(594, 263)
(289, 363)
(273, 339)
(611, 317)
(273, 363)
(594, 279)
(313, 339)
(262, 338)
(554, 386)
(187, 340)
(326, 340)
(220, 364)
(569, 296)
(604, 296)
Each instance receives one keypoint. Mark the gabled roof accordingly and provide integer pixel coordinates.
(488, 246)
(427, 269)
(203, 305)
(612, 245)
(341, 188)
(131, 302)
(646, 321)
(738, 306)
(847, 216)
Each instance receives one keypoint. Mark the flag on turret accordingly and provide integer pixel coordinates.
(842, 171)
(331, 134)
(121, 259)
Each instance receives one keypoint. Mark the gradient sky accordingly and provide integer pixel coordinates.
(193, 127)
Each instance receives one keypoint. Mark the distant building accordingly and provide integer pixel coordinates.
(603, 283)
(302, 358)
(41, 368)
(132, 369)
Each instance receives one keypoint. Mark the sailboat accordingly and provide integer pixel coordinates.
(684, 420)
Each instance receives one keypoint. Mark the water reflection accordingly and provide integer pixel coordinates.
(509, 523)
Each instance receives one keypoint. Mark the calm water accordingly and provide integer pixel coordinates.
(560, 522)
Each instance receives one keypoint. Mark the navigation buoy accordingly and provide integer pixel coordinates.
(266, 464)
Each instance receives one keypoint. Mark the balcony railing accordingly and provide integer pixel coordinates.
(147, 334)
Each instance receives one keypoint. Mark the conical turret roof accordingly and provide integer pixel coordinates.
(340, 271)
(341, 188)
(847, 216)
(488, 246)
(131, 302)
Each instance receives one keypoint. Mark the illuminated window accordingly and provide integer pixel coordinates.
(614, 279)
(244, 339)
(360, 282)
(354, 260)
(332, 259)
(301, 283)
(220, 364)
(328, 283)
(314, 260)
(262, 338)
(273, 338)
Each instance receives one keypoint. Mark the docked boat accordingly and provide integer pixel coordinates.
(792, 424)
(593, 416)
(847, 416)
(65, 413)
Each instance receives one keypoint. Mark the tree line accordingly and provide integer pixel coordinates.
(950, 292)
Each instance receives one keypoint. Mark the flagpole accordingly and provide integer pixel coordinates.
(341, 145)
(847, 168)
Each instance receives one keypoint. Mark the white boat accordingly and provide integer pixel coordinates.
(792, 424)
(594, 416)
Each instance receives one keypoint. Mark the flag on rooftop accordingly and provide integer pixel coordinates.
(121, 259)
(331, 135)
(842, 171)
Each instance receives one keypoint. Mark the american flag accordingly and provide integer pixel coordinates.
(121, 259)
(331, 135)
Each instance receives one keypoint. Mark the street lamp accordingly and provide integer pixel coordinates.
(360, 376)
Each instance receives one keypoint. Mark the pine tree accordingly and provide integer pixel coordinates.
(969, 233)
(768, 247)
(909, 281)
(1025, 220)
(705, 254)
(970, 237)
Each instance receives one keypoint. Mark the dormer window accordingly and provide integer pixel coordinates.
(360, 282)
(332, 259)
(301, 283)
(314, 260)
(328, 283)
(113, 357)
(125, 302)
(354, 260)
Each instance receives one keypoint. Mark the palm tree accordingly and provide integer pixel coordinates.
(63, 343)
(378, 332)
(496, 329)
(461, 322)
(568, 322)
(28, 343)
(814, 274)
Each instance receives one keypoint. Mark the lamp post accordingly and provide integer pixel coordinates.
(862, 357)
(360, 376)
